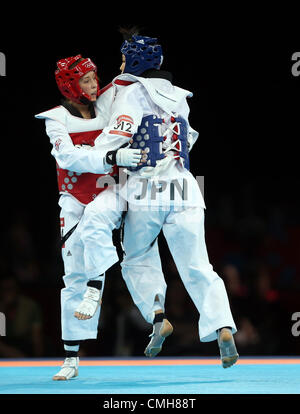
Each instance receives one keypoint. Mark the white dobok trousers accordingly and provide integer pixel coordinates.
(141, 268)
(183, 228)
(100, 218)
(75, 279)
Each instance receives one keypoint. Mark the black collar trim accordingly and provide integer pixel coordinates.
(74, 111)
(161, 74)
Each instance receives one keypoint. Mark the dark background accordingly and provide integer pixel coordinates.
(245, 107)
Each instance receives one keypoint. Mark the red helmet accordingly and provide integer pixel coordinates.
(68, 79)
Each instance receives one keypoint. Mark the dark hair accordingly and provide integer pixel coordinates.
(128, 31)
(74, 111)
(75, 63)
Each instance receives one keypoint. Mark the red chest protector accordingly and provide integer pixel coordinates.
(82, 186)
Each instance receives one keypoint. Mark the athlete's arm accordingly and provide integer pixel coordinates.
(81, 159)
(68, 156)
(126, 116)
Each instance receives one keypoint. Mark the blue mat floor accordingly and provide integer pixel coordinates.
(156, 379)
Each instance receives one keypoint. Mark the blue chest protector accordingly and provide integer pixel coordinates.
(148, 138)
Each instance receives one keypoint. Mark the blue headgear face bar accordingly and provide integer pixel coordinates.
(141, 53)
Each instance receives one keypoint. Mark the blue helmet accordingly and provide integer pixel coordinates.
(141, 53)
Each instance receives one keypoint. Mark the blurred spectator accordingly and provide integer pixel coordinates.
(268, 314)
(252, 233)
(24, 336)
(247, 338)
(22, 249)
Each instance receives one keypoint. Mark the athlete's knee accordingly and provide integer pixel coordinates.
(93, 220)
(91, 213)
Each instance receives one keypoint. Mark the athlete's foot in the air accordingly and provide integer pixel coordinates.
(228, 351)
(88, 307)
(161, 330)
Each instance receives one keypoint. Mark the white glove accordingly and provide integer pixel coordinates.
(128, 157)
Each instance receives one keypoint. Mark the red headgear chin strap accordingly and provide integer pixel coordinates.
(68, 79)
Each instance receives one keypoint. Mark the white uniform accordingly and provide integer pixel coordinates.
(78, 169)
(104, 213)
(151, 209)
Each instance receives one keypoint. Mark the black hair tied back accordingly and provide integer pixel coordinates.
(128, 31)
